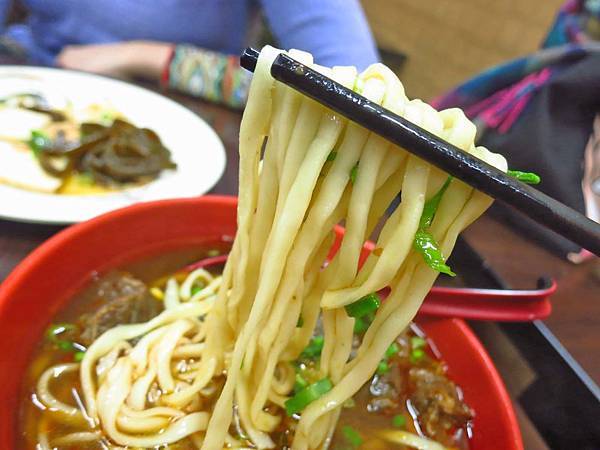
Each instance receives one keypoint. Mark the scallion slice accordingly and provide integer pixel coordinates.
(399, 421)
(431, 206)
(383, 367)
(195, 289)
(300, 383)
(417, 342)
(392, 350)
(38, 142)
(362, 307)
(360, 326)
(54, 336)
(352, 436)
(307, 395)
(417, 355)
(525, 177)
(314, 348)
(428, 247)
(424, 241)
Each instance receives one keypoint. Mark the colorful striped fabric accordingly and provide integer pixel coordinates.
(211, 75)
(496, 98)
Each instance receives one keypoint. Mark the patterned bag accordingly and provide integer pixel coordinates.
(541, 112)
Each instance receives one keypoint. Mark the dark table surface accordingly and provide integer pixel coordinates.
(519, 261)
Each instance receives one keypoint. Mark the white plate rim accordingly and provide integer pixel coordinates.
(71, 215)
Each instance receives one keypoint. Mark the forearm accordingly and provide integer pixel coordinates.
(147, 59)
(207, 74)
(137, 59)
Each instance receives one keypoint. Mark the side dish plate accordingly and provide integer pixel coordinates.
(195, 147)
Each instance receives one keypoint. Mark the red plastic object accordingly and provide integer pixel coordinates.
(207, 262)
(510, 305)
(49, 277)
(489, 304)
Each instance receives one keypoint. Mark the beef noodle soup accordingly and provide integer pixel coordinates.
(410, 391)
(288, 347)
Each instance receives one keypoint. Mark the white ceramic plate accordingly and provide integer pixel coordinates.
(195, 147)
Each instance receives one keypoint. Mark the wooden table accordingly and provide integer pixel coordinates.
(576, 304)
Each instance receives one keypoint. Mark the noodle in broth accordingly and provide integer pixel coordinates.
(222, 357)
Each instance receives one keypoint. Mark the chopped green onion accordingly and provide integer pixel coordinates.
(300, 322)
(352, 436)
(314, 348)
(383, 368)
(38, 141)
(307, 395)
(417, 355)
(66, 346)
(300, 383)
(56, 330)
(360, 326)
(78, 356)
(331, 156)
(431, 205)
(525, 177)
(354, 173)
(213, 252)
(424, 241)
(426, 244)
(392, 350)
(399, 421)
(195, 289)
(360, 308)
(417, 342)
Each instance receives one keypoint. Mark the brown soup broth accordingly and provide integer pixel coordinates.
(413, 394)
(32, 415)
(374, 408)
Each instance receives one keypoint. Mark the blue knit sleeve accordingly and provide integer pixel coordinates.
(336, 32)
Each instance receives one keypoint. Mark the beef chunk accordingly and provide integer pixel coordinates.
(121, 299)
(438, 402)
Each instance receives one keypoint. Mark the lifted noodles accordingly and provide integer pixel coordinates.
(222, 358)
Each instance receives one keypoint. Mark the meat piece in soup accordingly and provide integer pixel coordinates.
(122, 299)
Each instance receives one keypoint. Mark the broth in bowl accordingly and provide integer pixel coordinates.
(410, 395)
(286, 348)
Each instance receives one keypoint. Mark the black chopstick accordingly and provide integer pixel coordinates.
(473, 171)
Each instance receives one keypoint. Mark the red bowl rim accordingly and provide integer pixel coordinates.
(56, 241)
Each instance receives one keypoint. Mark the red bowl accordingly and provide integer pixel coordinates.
(41, 285)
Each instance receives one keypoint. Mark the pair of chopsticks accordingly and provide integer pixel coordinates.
(536, 205)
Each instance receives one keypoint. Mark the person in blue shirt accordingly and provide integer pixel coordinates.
(192, 45)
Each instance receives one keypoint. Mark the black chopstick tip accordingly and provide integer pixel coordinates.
(249, 58)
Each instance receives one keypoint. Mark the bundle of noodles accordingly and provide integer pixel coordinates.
(206, 366)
